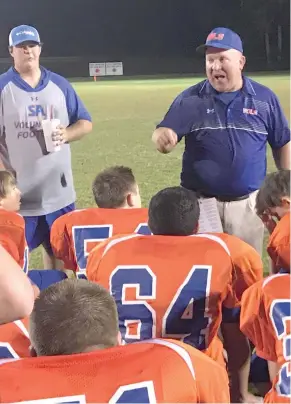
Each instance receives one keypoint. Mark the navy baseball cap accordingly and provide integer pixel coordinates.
(23, 33)
(222, 38)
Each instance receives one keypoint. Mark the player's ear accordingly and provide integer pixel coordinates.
(130, 200)
(196, 229)
(10, 50)
(119, 339)
(285, 202)
(32, 352)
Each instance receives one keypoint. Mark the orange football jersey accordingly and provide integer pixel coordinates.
(12, 237)
(75, 234)
(14, 340)
(152, 371)
(248, 265)
(216, 352)
(279, 244)
(171, 287)
(265, 320)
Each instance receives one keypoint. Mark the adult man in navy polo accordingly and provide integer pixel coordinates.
(227, 121)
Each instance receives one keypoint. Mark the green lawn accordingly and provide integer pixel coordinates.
(125, 113)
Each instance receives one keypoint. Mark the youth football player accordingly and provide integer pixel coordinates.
(118, 211)
(265, 320)
(175, 286)
(273, 206)
(265, 316)
(12, 225)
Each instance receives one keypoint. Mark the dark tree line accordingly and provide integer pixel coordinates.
(153, 29)
(270, 20)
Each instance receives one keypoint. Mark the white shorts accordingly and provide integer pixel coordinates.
(240, 218)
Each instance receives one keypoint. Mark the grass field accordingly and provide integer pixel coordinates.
(125, 113)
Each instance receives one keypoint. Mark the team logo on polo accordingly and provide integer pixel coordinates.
(250, 111)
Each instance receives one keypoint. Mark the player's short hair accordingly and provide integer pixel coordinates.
(73, 316)
(275, 186)
(112, 185)
(174, 211)
(7, 180)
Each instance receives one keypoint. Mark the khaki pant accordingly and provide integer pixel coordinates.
(240, 218)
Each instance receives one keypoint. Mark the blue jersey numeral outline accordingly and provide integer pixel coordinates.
(94, 233)
(280, 313)
(187, 317)
(142, 392)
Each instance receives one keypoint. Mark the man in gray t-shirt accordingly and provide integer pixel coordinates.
(28, 94)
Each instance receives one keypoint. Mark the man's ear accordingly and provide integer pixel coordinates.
(242, 62)
(10, 50)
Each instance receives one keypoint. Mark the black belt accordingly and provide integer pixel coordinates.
(225, 198)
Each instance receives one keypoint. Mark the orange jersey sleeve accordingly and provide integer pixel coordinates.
(171, 287)
(154, 371)
(262, 312)
(14, 340)
(75, 234)
(10, 246)
(61, 243)
(215, 351)
(279, 244)
(247, 264)
(12, 237)
(265, 319)
(214, 389)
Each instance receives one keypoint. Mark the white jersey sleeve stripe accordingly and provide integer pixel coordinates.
(214, 238)
(209, 236)
(21, 326)
(178, 349)
(270, 278)
(119, 240)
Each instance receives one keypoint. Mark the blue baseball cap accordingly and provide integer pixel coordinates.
(23, 33)
(222, 38)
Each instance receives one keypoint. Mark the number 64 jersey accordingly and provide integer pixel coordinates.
(265, 320)
(174, 287)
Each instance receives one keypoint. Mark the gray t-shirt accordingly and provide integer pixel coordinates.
(45, 179)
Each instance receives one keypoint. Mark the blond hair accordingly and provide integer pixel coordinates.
(73, 316)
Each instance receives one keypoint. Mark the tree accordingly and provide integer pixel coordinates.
(266, 18)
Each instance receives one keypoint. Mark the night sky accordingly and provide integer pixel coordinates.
(116, 29)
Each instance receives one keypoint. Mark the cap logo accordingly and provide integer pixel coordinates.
(25, 33)
(214, 36)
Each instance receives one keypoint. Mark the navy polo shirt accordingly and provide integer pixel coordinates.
(226, 136)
